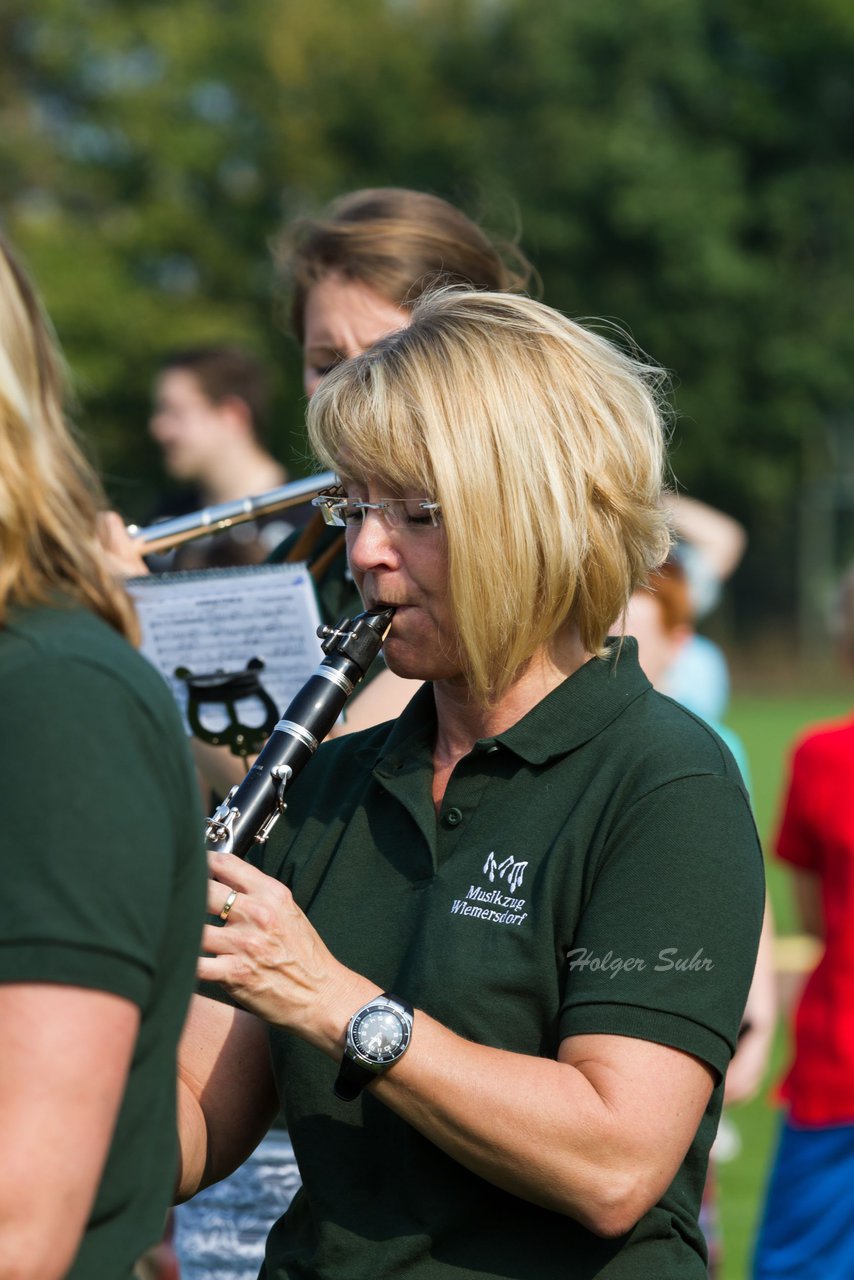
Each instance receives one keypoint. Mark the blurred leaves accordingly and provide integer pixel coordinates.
(681, 166)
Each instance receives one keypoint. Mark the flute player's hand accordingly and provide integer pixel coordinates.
(121, 550)
(270, 958)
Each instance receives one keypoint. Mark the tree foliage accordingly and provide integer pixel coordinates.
(679, 166)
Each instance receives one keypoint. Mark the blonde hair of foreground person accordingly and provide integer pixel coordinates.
(49, 496)
(544, 445)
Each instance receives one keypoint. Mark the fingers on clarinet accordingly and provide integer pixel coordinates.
(232, 871)
(215, 940)
(218, 896)
(209, 969)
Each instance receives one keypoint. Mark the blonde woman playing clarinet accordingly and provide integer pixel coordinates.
(495, 959)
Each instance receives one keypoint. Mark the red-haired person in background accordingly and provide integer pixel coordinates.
(709, 546)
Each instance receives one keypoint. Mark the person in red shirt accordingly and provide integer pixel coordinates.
(808, 1222)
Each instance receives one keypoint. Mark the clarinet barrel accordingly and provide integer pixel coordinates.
(250, 810)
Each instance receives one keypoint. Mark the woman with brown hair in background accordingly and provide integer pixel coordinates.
(352, 275)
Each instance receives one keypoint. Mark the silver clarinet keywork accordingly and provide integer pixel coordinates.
(249, 812)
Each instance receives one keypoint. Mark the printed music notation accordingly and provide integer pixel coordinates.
(219, 619)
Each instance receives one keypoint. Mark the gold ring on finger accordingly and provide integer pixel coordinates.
(227, 905)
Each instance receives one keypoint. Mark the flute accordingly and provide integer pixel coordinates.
(250, 810)
(197, 524)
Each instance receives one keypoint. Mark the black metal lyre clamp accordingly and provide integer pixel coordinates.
(226, 689)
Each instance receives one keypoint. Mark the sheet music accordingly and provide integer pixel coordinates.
(219, 619)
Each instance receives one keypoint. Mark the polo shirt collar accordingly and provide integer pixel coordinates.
(573, 713)
(581, 707)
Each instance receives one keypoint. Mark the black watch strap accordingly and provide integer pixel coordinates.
(351, 1080)
(353, 1075)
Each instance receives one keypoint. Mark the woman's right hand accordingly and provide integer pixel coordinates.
(270, 959)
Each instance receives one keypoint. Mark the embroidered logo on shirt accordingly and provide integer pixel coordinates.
(492, 904)
(514, 871)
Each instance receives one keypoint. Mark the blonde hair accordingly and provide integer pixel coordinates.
(543, 443)
(399, 242)
(49, 496)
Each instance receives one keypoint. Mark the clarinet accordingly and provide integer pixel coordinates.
(250, 810)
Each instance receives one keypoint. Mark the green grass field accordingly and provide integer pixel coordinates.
(767, 725)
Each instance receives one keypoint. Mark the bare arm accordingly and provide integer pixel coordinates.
(720, 538)
(227, 1097)
(217, 767)
(65, 1060)
(750, 1059)
(598, 1134)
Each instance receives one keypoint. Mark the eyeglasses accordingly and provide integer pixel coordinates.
(398, 513)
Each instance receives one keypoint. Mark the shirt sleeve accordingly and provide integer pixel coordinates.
(666, 943)
(89, 832)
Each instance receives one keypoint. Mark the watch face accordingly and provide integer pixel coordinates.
(380, 1035)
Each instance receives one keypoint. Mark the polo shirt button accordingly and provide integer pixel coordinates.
(452, 818)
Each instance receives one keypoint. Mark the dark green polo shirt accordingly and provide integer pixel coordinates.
(104, 876)
(593, 869)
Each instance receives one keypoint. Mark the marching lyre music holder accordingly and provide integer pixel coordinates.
(226, 690)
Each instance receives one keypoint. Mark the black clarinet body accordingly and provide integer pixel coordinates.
(250, 810)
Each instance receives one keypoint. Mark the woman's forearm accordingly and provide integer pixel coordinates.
(227, 1098)
(597, 1135)
(192, 1143)
(586, 1136)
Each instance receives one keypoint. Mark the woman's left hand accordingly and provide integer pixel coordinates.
(270, 957)
(122, 552)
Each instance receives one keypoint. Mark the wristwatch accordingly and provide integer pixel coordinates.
(378, 1036)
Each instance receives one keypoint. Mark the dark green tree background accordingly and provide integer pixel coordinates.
(680, 166)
